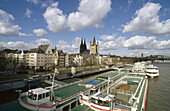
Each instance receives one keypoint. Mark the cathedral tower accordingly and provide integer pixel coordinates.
(83, 46)
(94, 48)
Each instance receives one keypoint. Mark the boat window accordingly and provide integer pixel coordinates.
(47, 94)
(30, 95)
(34, 97)
(105, 103)
(39, 97)
(43, 95)
(92, 100)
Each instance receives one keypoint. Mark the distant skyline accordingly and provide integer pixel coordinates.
(122, 27)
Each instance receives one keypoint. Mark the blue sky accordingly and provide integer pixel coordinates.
(123, 27)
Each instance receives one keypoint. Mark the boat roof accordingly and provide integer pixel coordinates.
(103, 96)
(39, 91)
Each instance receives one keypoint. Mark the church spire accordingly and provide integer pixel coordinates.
(81, 41)
(55, 47)
(94, 41)
(85, 47)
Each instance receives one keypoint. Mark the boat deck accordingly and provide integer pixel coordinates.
(110, 74)
(68, 91)
(82, 108)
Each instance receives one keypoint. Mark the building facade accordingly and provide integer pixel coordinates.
(94, 48)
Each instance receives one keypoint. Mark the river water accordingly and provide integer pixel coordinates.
(158, 98)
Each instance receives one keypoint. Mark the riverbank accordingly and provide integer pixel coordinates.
(9, 78)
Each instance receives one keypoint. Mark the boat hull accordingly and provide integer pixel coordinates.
(152, 75)
(36, 107)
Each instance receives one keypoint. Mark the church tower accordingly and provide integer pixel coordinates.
(83, 46)
(94, 48)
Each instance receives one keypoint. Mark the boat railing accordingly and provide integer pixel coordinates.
(123, 92)
(124, 104)
(129, 76)
(57, 87)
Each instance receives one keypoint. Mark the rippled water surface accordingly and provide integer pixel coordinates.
(158, 98)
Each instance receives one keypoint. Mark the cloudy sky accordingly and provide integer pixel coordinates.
(122, 27)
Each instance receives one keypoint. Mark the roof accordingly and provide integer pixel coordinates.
(39, 91)
(69, 91)
(86, 52)
(103, 96)
(37, 50)
(43, 47)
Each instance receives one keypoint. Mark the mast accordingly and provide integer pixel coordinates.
(52, 88)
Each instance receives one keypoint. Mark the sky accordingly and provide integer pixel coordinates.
(122, 27)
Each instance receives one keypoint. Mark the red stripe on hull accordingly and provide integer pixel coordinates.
(99, 108)
(146, 97)
(105, 109)
(35, 105)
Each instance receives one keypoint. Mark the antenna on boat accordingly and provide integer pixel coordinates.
(111, 105)
(109, 79)
(52, 91)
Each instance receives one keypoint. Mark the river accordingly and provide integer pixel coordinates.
(158, 98)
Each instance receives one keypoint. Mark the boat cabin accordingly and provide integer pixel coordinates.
(38, 96)
(101, 99)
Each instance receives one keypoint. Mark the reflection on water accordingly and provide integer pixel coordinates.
(158, 98)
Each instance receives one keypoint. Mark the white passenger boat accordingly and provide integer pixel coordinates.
(37, 99)
(129, 93)
(152, 71)
(139, 67)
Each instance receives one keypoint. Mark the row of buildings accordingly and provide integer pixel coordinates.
(44, 57)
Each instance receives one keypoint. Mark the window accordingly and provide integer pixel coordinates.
(47, 94)
(39, 97)
(43, 95)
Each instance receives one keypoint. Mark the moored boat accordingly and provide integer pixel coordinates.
(127, 94)
(37, 99)
(152, 71)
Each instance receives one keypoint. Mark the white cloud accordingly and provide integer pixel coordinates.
(28, 13)
(39, 32)
(86, 16)
(21, 45)
(42, 41)
(33, 1)
(163, 45)
(135, 43)
(108, 37)
(147, 21)
(143, 42)
(76, 43)
(130, 2)
(17, 45)
(113, 44)
(140, 42)
(6, 26)
(63, 45)
(137, 53)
